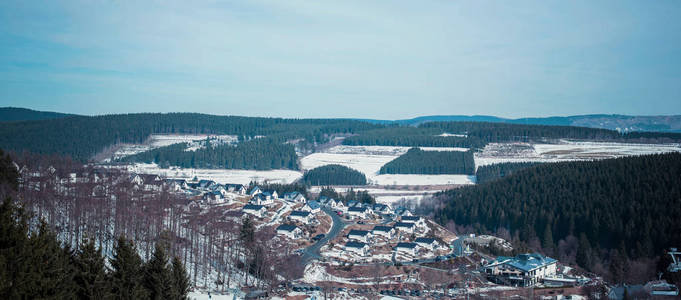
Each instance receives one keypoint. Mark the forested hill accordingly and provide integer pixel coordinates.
(82, 137)
(10, 114)
(630, 204)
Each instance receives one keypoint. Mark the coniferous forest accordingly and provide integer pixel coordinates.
(417, 161)
(256, 154)
(618, 209)
(334, 175)
(34, 264)
(493, 172)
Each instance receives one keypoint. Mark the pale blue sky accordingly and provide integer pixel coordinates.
(365, 59)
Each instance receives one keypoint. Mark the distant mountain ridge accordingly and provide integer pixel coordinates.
(14, 114)
(621, 123)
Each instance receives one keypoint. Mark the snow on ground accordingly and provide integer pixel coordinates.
(565, 150)
(213, 296)
(374, 191)
(422, 179)
(162, 140)
(219, 175)
(370, 159)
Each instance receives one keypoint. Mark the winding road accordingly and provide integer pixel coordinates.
(312, 251)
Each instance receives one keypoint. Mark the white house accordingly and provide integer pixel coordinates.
(213, 197)
(522, 270)
(358, 248)
(256, 190)
(405, 227)
(206, 184)
(295, 197)
(427, 243)
(405, 249)
(271, 195)
(301, 216)
(381, 208)
(385, 231)
(401, 211)
(312, 206)
(358, 212)
(261, 199)
(290, 231)
(256, 210)
(337, 205)
(417, 220)
(360, 235)
(236, 188)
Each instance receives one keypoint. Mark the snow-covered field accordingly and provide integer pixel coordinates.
(370, 159)
(495, 153)
(219, 175)
(162, 140)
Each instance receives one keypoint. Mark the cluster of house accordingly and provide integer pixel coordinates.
(358, 210)
(360, 240)
(522, 270)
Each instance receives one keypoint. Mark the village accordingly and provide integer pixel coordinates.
(353, 249)
(343, 243)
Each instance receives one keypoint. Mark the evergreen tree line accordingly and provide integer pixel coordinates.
(256, 154)
(360, 196)
(485, 132)
(493, 172)
(410, 137)
(334, 175)
(417, 161)
(81, 137)
(619, 209)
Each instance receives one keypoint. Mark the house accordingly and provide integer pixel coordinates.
(302, 216)
(402, 211)
(337, 205)
(405, 249)
(358, 248)
(289, 231)
(235, 188)
(428, 243)
(406, 227)
(295, 197)
(360, 235)
(135, 179)
(326, 201)
(256, 190)
(206, 184)
(381, 208)
(213, 197)
(256, 210)
(418, 221)
(521, 270)
(176, 185)
(261, 199)
(385, 231)
(271, 195)
(357, 212)
(354, 203)
(312, 206)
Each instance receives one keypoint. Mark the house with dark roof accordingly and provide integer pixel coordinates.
(405, 227)
(206, 184)
(254, 191)
(428, 243)
(235, 188)
(360, 235)
(271, 195)
(359, 248)
(291, 231)
(380, 208)
(385, 231)
(301, 216)
(213, 197)
(312, 206)
(256, 210)
(402, 211)
(405, 249)
(521, 270)
(261, 199)
(417, 220)
(295, 197)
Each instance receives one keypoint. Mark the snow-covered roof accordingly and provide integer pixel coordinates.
(410, 218)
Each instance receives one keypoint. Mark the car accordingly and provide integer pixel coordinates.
(360, 222)
(415, 260)
(340, 213)
(318, 237)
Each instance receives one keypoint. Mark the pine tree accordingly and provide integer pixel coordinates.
(157, 279)
(91, 277)
(127, 274)
(584, 252)
(180, 280)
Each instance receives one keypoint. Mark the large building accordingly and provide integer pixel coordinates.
(522, 270)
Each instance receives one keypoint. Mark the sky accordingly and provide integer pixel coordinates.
(360, 59)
